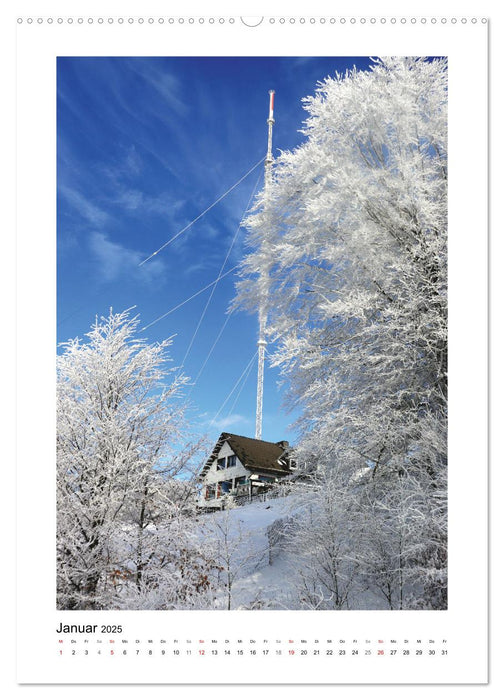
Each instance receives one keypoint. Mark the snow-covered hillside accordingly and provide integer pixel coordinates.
(264, 574)
(263, 578)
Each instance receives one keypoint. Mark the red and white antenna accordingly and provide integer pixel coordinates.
(271, 121)
(261, 342)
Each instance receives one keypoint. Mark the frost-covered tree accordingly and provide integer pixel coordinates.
(323, 539)
(120, 445)
(232, 552)
(351, 246)
(175, 565)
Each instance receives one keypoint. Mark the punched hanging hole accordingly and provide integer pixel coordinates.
(252, 21)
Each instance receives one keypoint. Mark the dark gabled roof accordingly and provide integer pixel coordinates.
(253, 454)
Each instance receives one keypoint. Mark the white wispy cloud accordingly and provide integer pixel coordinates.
(132, 199)
(113, 259)
(132, 162)
(229, 421)
(83, 206)
(128, 165)
(165, 84)
(144, 203)
(68, 243)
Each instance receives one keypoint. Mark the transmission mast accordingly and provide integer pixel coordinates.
(261, 342)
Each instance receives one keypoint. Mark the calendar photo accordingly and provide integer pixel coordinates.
(258, 246)
(252, 315)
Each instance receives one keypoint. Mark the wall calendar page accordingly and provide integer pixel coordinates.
(260, 244)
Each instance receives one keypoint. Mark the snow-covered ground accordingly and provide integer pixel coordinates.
(264, 579)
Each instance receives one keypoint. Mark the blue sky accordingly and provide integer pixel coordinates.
(144, 146)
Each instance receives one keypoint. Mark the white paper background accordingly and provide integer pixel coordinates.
(464, 623)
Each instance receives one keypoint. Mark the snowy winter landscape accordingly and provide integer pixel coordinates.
(266, 575)
(343, 270)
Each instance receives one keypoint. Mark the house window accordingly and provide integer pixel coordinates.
(231, 461)
(221, 463)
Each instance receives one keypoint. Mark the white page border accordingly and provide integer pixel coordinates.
(38, 45)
